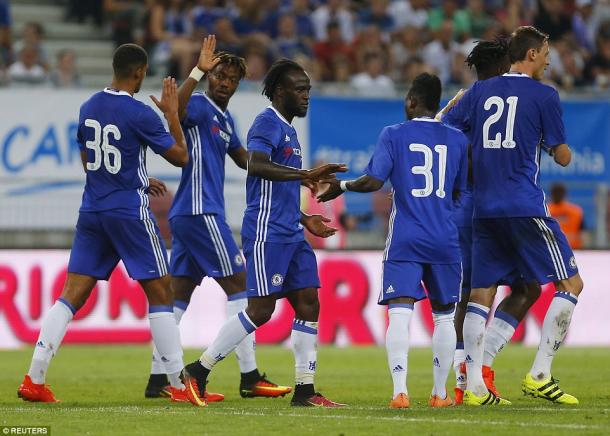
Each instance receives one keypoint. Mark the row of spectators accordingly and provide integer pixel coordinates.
(370, 45)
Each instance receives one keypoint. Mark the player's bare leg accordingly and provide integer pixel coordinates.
(304, 338)
(539, 381)
(400, 311)
(76, 292)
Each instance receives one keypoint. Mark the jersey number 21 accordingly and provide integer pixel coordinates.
(497, 141)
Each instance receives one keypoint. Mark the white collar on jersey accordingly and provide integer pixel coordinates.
(515, 74)
(117, 92)
(426, 119)
(279, 115)
(214, 105)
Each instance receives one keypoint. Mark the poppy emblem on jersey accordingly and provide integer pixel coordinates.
(277, 279)
(572, 262)
(239, 260)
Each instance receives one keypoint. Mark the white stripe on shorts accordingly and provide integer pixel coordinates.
(156, 246)
(218, 245)
(553, 248)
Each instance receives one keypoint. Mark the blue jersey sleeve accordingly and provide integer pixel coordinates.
(234, 141)
(553, 131)
(151, 131)
(264, 136)
(194, 112)
(381, 163)
(459, 115)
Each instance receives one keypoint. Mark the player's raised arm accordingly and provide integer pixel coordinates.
(261, 165)
(207, 61)
(177, 154)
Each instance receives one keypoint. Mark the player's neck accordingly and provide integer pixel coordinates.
(280, 108)
(521, 67)
(121, 85)
(423, 113)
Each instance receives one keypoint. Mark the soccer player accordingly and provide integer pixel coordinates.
(512, 117)
(202, 242)
(490, 59)
(281, 264)
(427, 164)
(115, 222)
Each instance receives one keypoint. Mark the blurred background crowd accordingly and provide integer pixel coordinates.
(372, 47)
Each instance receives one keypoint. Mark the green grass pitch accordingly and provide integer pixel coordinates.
(102, 388)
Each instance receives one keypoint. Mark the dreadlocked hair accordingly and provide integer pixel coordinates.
(487, 54)
(232, 60)
(276, 74)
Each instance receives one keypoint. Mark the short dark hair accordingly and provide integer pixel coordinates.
(276, 75)
(127, 58)
(427, 87)
(525, 38)
(231, 60)
(487, 56)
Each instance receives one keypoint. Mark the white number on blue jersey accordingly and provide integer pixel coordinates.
(497, 142)
(100, 145)
(426, 170)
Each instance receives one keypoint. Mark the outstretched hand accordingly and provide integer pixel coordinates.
(334, 190)
(313, 187)
(169, 97)
(207, 59)
(325, 171)
(316, 224)
(156, 187)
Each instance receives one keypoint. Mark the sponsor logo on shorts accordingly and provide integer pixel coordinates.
(389, 290)
(572, 262)
(239, 260)
(277, 279)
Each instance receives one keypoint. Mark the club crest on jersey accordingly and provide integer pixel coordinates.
(572, 262)
(277, 279)
(239, 260)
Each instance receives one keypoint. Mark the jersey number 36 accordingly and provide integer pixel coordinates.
(100, 145)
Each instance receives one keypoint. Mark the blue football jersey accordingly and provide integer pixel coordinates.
(210, 134)
(510, 118)
(115, 129)
(425, 162)
(273, 210)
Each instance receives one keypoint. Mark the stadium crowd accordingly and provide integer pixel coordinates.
(367, 46)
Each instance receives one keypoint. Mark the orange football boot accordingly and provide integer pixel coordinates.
(436, 401)
(30, 391)
(401, 401)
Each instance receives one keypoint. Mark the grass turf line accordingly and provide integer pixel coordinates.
(102, 389)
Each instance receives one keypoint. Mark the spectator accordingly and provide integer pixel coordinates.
(450, 11)
(414, 68)
(569, 215)
(407, 46)
(251, 18)
(552, 19)
(584, 25)
(302, 14)
(257, 67)
(439, 53)
(288, 43)
(372, 82)
(65, 75)
(479, 19)
(566, 64)
(409, 14)
(370, 40)
(328, 50)
(334, 10)
(6, 50)
(125, 17)
(170, 32)
(205, 15)
(377, 15)
(32, 35)
(226, 38)
(80, 10)
(27, 70)
(597, 70)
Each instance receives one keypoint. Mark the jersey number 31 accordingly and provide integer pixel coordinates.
(493, 118)
(426, 170)
(100, 146)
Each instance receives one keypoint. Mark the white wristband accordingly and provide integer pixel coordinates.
(197, 74)
(343, 185)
